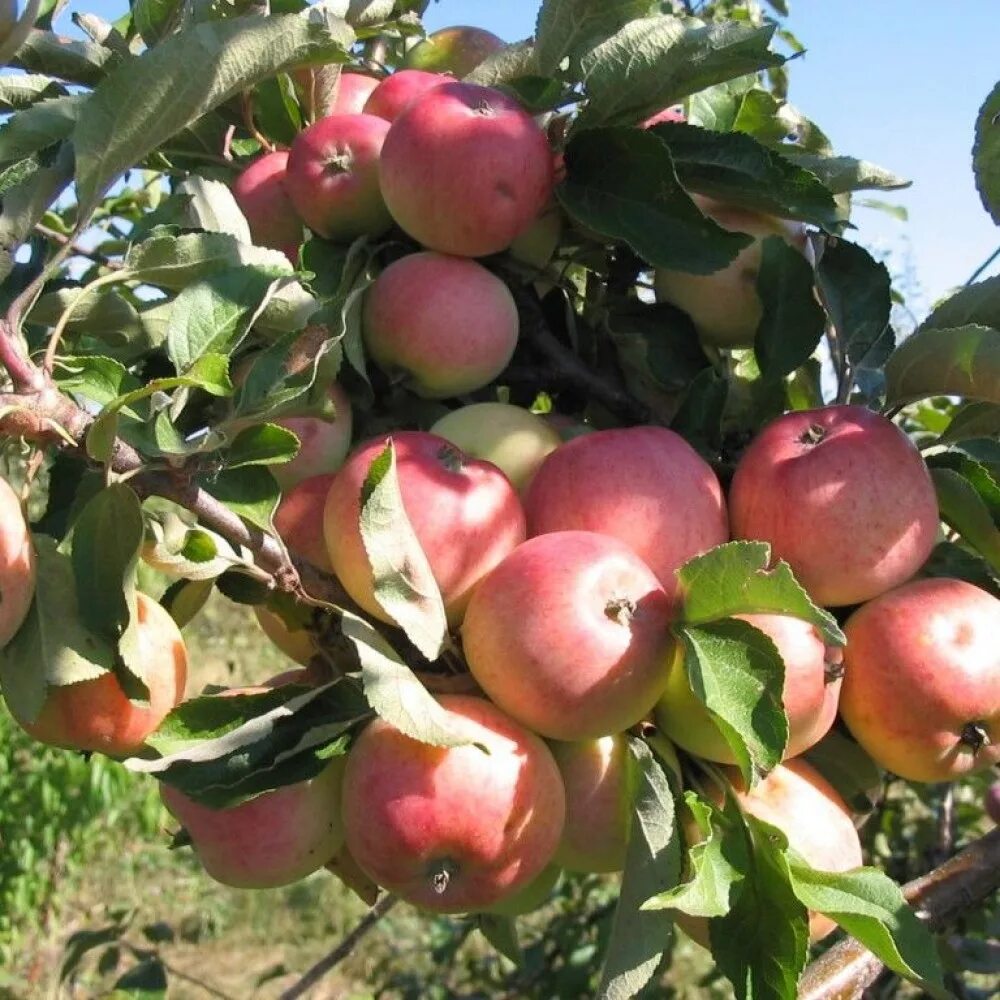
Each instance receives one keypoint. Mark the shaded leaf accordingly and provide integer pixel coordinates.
(977, 304)
(842, 174)
(262, 444)
(965, 511)
(986, 154)
(249, 491)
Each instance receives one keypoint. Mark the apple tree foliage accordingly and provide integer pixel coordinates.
(131, 282)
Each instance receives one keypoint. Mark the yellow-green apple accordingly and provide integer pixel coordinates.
(445, 324)
(643, 485)
(397, 92)
(453, 829)
(299, 520)
(323, 444)
(465, 170)
(260, 192)
(514, 439)
(97, 715)
(724, 306)
(922, 679)
(297, 644)
(464, 513)
(811, 691)
(841, 494)
(570, 635)
(457, 50)
(17, 564)
(535, 894)
(537, 244)
(332, 177)
(272, 840)
(599, 791)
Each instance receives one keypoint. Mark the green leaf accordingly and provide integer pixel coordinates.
(949, 559)
(871, 908)
(842, 174)
(973, 420)
(986, 154)
(68, 59)
(737, 673)
(793, 322)
(652, 866)
(501, 932)
(620, 181)
(103, 312)
(17, 92)
(178, 546)
(262, 444)
(764, 899)
(396, 694)
(977, 304)
(183, 599)
(964, 510)
(961, 361)
(856, 292)
(654, 62)
(569, 28)
(101, 380)
(404, 583)
(775, 123)
(154, 19)
(37, 128)
(734, 579)
(210, 206)
(53, 646)
(143, 103)
(737, 169)
(249, 491)
(213, 314)
(502, 68)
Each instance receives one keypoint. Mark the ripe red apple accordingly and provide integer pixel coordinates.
(724, 305)
(323, 444)
(842, 495)
(333, 177)
(96, 715)
(17, 564)
(468, 146)
(599, 795)
(353, 91)
(514, 439)
(445, 323)
(299, 520)
(260, 192)
(453, 829)
(811, 692)
(922, 679)
(673, 113)
(535, 894)
(397, 92)
(643, 485)
(465, 514)
(458, 50)
(570, 635)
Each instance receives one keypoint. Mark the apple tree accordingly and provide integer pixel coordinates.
(544, 404)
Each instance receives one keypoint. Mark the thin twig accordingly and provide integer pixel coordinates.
(327, 964)
(56, 336)
(95, 255)
(982, 267)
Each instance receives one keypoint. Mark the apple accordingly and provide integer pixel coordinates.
(445, 324)
(457, 50)
(353, 91)
(922, 679)
(570, 635)
(810, 695)
(842, 495)
(323, 445)
(599, 792)
(453, 829)
(299, 520)
(260, 192)
(465, 170)
(17, 564)
(535, 894)
(992, 802)
(397, 92)
(724, 305)
(673, 113)
(643, 485)
(96, 715)
(297, 644)
(464, 513)
(537, 244)
(332, 177)
(514, 439)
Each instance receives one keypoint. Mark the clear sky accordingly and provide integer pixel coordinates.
(897, 82)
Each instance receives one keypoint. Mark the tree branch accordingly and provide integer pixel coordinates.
(940, 898)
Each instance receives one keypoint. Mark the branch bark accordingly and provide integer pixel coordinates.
(940, 898)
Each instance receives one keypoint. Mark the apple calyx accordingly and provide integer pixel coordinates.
(339, 163)
(813, 434)
(833, 666)
(975, 736)
(620, 610)
(451, 458)
(440, 875)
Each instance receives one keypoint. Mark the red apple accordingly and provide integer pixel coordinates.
(464, 513)
(97, 715)
(333, 177)
(323, 444)
(445, 323)
(453, 829)
(17, 564)
(458, 50)
(922, 679)
(724, 305)
(570, 635)
(534, 895)
(673, 113)
(842, 495)
(299, 520)
(515, 440)
(811, 691)
(260, 192)
(474, 147)
(353, 91)
(297, 644)
(397, 92)
(643, 485)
